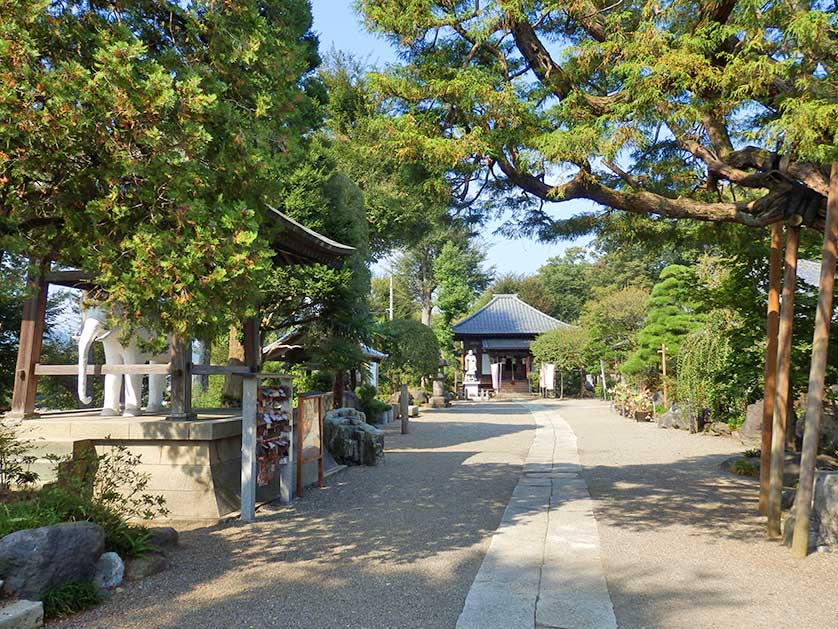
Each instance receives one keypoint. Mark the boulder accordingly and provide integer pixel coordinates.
(163, 538)
(717, 428)
(350, 400)
(395, 398)
(109, 571)
(350, 439)
(419, 397)
(413, 411)
(673, 418)
(35, 560)
(825, 508)
(22, 615)
(750, 432)
(141, 567)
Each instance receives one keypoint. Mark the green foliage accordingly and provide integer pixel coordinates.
(142, 141)
(70, 598)
(666, 110)
(412, 348)
(564, 347)
(15, 460)
(372, 407)
(106, 489)
(703, 368)
(565, 285)
(613, 321)
(672, 314)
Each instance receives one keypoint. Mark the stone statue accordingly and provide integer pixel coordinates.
(471, 367)
(118, 352)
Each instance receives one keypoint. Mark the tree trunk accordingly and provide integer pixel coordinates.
(339, 387)
(232, 390)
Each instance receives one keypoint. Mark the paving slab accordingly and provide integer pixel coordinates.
(543, 567)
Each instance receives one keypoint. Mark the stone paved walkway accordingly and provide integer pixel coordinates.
(543, 567)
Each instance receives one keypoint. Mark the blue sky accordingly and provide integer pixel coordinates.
(340, 27)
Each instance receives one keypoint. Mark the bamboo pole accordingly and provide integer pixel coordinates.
(778, 429)
(817, 372)
(772, 328)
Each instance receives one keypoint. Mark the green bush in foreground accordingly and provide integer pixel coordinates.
(69, 599)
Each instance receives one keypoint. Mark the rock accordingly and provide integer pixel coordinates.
(109, 571)
(395, 398)
(750, 432)
(163, 537)
(22, 615)
(718, 428)
(825, 508)
(141, 567)
(34, 560)
(787, 499)
(350, 439)
(673, 418)
(413, 411)
(350, 400)
(419, 397)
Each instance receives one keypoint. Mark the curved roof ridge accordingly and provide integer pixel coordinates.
(506, 313)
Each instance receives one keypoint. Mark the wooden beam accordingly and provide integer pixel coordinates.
(817, 374)
(252, 343)
(29, 345)
(775, 271)
(101, 370)
(781, 396)
(180, 352)
(219, 370)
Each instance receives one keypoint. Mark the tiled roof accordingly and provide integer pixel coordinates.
(505, 315)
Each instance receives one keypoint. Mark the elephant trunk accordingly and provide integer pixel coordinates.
(88, 335)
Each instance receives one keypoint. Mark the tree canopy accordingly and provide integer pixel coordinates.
(142, 141)
(718, 111)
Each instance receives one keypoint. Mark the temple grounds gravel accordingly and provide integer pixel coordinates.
(391, 546)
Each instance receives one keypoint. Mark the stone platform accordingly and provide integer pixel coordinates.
(195, 465)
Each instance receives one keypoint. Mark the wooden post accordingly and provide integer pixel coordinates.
(248, 451)
(778, 429)
(772, 329)
(29, 346)
(404, 401)
(604, 383)
(662, 352)
(817, 372)
(180, 352)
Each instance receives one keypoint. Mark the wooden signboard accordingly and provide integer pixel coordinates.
(273, 432)
(309, 436)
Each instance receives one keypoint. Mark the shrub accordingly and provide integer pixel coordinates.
(372, 407)
(106, 489)
(70, 598)
(15, 460)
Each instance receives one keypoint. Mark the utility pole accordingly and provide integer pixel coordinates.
(391, 294)
(662, 352)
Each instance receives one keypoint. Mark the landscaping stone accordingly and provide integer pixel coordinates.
(163, 538)
(145, 566)
(34, 560)
(413, 411)
(419, 397)
(825, 508)
(750, 432)
(718, 428)
(741, 466)
(350, 439)
(22, 614)
(672, 418)
(109, 571)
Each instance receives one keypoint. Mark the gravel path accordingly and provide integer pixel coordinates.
(393, 546)
(681, 544)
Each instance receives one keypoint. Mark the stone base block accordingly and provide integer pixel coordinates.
(22, 615)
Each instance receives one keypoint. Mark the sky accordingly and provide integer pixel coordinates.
(339, 27)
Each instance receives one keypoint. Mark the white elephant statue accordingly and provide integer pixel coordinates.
(117, 352)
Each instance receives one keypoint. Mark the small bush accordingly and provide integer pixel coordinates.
(754, 453)
(15, 460)
(69, 599)
(743, 467)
